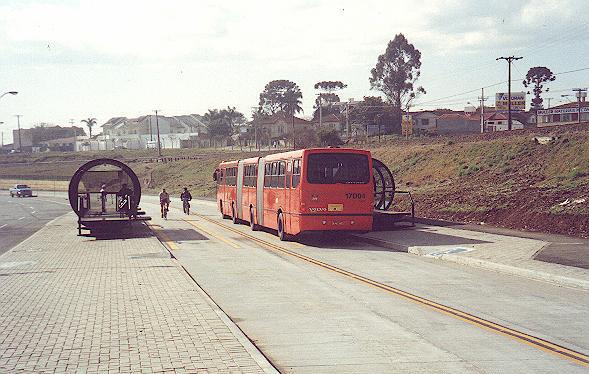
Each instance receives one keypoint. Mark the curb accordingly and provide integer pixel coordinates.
(542, 276)
(254, 351)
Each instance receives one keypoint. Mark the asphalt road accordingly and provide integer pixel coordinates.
(296, 303)
(21, 217)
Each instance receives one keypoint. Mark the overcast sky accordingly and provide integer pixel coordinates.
(80, 59)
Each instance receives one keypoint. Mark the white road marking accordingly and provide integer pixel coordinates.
(4, 225)
(21, 218)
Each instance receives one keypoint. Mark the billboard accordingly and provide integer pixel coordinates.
(518, 101)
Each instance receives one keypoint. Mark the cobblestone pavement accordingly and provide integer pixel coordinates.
(77, 304)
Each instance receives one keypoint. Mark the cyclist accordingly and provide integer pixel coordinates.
(186, 197)
(164, 203)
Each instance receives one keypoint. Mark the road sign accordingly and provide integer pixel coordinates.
(518, 101)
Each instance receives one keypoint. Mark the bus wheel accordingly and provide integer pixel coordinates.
(253, 225)
(223, 215)
(233, 216)
(281, 233)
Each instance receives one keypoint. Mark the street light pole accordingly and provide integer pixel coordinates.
(19, 139)
(159, 144)
(1, 123)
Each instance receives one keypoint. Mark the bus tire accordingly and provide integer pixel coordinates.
(253, 225)
(282, 235)
(223, 215)
(233, 215)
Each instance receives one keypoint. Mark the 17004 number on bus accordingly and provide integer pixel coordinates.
(355, 196)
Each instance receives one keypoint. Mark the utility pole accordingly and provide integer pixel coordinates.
(73, 128)
(581, 93)
(320, 111)
(19, 139)
(159, 144)
(509, 60)
(483, 99)
(348, 119)
(2, 148)
(150, 131)
(549, 117)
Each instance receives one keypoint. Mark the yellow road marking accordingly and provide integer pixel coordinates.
(218, 237)
(539, 343)
(163, 237)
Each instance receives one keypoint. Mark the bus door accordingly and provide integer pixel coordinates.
(239, 190)
(260, 192)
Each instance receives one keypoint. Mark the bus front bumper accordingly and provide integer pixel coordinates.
(336, 223)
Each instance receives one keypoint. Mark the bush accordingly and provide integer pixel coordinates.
(330, 138)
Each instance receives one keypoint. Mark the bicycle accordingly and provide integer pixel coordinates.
(165, 207)
(186, 207)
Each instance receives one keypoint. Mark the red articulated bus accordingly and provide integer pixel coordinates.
(320, 189)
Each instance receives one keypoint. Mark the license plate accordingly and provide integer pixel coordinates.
(335, 207)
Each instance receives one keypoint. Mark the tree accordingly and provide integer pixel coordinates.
(327, 97)
(328, 108)
(330, 86)
(306, 138)
(329, 137)
(537, 76)
(90, 122)
(218, 124)
(233, 117)
(374, 111)
(396, 73)
(281, 95)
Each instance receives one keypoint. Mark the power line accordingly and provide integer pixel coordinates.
(489, 86)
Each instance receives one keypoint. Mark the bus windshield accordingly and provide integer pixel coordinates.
(333, 168)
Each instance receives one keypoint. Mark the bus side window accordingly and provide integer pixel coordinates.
(296, 173)
(254, 176)
(267, 176)
(288, 174)
(281, 169)
(221, 176)
(233, 177)
(249, 174)
(274, 174)
(246, 176)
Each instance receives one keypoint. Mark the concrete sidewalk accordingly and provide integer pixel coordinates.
(502, 253)
(77, 304)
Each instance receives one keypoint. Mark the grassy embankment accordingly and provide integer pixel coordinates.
(501, 179)
(509, 181)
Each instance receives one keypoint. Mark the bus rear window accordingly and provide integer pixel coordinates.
(333, 168)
